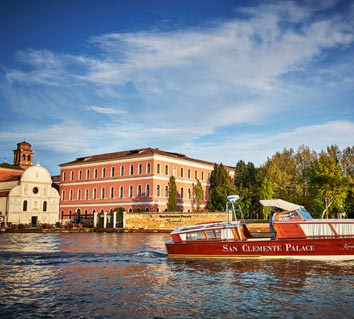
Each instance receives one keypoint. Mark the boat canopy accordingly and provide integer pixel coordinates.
(279, 203)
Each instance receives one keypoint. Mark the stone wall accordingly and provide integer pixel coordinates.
(166, 221)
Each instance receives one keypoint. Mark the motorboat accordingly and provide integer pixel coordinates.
(293, 234)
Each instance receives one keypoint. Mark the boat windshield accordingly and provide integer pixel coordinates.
(305, 214)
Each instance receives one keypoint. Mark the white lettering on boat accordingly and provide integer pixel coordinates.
(262, 248)
(348, 247)
(290, 247)
(229, 249)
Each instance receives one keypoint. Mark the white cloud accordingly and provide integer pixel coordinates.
(105, 110)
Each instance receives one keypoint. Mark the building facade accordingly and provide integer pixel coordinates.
(27, 195)
(132, 180)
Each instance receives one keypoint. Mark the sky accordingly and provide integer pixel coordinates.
(217, 80)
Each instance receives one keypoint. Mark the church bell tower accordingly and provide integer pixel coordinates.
(23, 155)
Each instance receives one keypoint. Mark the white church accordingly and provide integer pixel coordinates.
(26, 192)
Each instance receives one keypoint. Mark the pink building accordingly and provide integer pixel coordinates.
(135, 179)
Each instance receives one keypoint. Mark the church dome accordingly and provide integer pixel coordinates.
(36, 173)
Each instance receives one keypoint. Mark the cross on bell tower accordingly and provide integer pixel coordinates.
(23, 155)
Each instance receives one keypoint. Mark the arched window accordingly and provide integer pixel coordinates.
(71, 194)
(71, 175)
(174, 170)
(112, 192)
(147, 190)
(130, 191)
(202, 176)
(86, 193)
(139, 190)
(131, 169)
(121, 192)
(148, 168)
(112, 171)
(64, 176)
(86, 213)
(63, 195)
(189, 173)
(158, 190)
(80, 175)
(24, 208)
(158, 168)
(122, 170)
(166, 191)
(95, 173)
(103, 172)
(140, 169)
(94, 193)
(189, 193)
(195, 174)
(182, 171)
(45, 206)
(79, 194)
(166, 169)
(88, 174)
(182, 190)
(103, 193)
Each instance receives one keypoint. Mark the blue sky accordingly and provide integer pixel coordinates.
(217, 80)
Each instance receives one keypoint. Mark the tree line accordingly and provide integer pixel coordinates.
(323, 182)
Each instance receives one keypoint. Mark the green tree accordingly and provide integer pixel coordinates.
(266, 192)
(347, 164)
(197, 195)
(246, 186)
(172, 195)
(328, 186)
(220, 188)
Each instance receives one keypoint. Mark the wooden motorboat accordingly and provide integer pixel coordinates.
(293, 233)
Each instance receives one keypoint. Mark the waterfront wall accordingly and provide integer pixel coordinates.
(167, 221)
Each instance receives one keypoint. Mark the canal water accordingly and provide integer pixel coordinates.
(113, 275)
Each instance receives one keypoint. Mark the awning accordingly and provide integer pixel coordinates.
(279, 203)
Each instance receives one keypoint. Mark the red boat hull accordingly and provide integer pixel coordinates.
(315, 249)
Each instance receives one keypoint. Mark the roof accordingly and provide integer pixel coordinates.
(11, 178)
(279, 203)
(132, 153)
(10, 166)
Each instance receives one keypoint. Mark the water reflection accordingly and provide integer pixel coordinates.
(129, 276)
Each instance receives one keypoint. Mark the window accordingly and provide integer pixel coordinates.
(112, 171)
(71, 175)
(80, 175)
(103, 172)
(148, 168)
(166, 191)
(202, 176)
(189, 193)
(166, 169)
(182, 172)
(122, 171)
(158, 168)
(94, 193)
(86, 193)
(189, 173)
(147, 190)
(71, 194)
(88, 174)
(195, 174)
(174, 170)
(131, 169)
(130, 191)
(24, 208)
(140, 169)
(64, 176)
(139, 190)
(158, 190)
(63, 195)
(121, 192)
(182, 190)
(95, 173)
(103, 193)
(112, 192)
(45, 206)
(79, 194)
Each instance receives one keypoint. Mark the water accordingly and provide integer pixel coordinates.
(100, 275)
